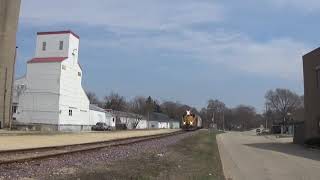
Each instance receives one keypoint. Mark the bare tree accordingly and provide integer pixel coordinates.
(170, 109)
(153, 105)
(138, 105)
(283, 102)
(245, 117)
(115, 102)
(203, 114)
(93, 99)
(215, 111)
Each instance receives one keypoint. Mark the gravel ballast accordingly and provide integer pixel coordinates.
(69, 164)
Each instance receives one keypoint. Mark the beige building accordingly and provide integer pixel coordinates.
(311, 68)
(9, 15)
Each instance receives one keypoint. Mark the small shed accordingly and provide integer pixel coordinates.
(153, 124)
(97, 114)
(142, 124)
(159, 120)
(127, 120)
(174, 124)
(111, 119)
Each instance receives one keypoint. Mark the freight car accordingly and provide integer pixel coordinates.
(191, 121)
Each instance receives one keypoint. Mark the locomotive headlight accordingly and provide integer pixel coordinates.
(184, 123)
(191, 123)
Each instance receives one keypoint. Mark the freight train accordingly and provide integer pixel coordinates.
(191, 121)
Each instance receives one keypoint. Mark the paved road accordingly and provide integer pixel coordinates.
(246, 156)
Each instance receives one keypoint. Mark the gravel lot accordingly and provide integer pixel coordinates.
(69, 165)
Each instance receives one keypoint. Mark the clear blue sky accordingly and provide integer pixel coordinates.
(181, 50)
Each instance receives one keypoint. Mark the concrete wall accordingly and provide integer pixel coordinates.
(311, 62)
(9, 15)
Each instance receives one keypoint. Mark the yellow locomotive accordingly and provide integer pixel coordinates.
(191, 121)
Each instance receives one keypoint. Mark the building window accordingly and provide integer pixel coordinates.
(44, 46)
(60, 45)
(14, 109)
(70, 112)
(79, 74)
(64, 67)
(318, 78)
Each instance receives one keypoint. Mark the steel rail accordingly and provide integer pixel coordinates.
(30, 154)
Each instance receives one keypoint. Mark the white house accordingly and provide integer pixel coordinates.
(128, 120)
(143, 124)
(111, 119)
(51, 95)
(174, 124)
(158, 121)
(153, 124)
(19, 86)
(98, 114)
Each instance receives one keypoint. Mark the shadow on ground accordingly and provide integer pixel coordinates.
(289, 148)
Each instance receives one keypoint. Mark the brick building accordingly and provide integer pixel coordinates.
(311, 68)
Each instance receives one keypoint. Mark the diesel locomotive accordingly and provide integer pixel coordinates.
(191, 121)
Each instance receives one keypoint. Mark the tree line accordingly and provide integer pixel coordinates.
(140, 105)
(281, 106)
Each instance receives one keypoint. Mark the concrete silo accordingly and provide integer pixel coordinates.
(9, 15)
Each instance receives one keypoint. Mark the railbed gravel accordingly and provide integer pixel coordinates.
(64, 164)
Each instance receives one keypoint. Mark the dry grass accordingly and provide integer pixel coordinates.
(196, 157)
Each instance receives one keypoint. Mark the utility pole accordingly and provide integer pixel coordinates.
(267, 111)
(223, 121)
(213, 126)
(14, 71)
(148, 120)
(5, 94)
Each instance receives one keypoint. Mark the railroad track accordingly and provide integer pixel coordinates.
(25, 155)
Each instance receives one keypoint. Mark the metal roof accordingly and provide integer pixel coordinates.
(125, 114)
(47, 60)
(159, 117)
(96, 108)
(59, 32)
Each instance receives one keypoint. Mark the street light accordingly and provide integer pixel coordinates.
(284, 121)
(213, 119)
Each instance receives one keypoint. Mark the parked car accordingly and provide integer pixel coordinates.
(101, 127)
(258, 132)
(264, 131)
